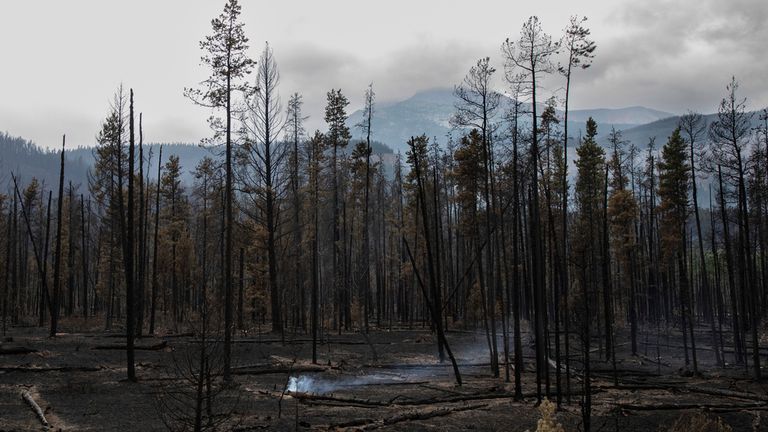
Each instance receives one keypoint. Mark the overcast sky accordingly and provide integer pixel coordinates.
(62, 60)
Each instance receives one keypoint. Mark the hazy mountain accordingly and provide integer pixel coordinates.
(635, 115)
(429, 112)
(659, 129)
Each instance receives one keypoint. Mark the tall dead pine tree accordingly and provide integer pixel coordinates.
(225, 52)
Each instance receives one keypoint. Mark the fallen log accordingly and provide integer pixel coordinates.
(369, 424)
(728, 349)
(624, 372)
(155, 347)
(16, 350)
(122, 335)
(346, 400)
(424, 415)
(422, 365)
(398, 401)
(636, 387)
(685, 406)
(727, 410)
(726, 393)
(267, 370)
(300, 341)
(50, 369)
(683, 387)
(658, 381)
(175, 335)
(35, 407)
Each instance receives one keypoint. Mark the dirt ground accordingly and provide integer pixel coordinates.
(400, 387)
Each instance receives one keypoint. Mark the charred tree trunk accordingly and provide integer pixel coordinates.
(737, 341)
(153, 306)
(241, 289)
(84, 256)
(228, 225)
(606, 273)
(57, 256)
(71, 254)
(141, 244)
(126, 237)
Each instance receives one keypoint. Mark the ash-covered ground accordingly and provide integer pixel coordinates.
(391, 380)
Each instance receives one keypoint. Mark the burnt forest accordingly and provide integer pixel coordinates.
(474, 253)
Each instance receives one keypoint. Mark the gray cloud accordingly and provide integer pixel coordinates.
(424, 66)
(312, 71)
(664, 54)
(679, 55)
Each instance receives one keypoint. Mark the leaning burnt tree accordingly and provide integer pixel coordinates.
(433, 298)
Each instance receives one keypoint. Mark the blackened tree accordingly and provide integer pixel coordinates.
(225, 53)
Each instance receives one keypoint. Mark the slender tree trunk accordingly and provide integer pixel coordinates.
(737, 341)
(537, 270)
(71, 254)
(228, 226)
(57, 256)
(365, 227)
(315, 269)
(749, 279)
(606, 272)
(204, 259)
(335, 267)
(297, 229)
(516, 286)
(45, 298)
(127, 230)
(586, 405)
(705, 287)
(685, 300)
(141, 244)
(153, 307)
(438, 272)
(564, 270)
(84, 256)
(241, 290)
(9, 246)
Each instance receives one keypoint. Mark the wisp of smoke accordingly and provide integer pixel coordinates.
(306, 384)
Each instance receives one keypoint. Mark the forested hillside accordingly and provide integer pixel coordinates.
(29, 161)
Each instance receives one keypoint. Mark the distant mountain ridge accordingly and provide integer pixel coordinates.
(27, 160)
(635, 115)
(660, 130)
(429, 112)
